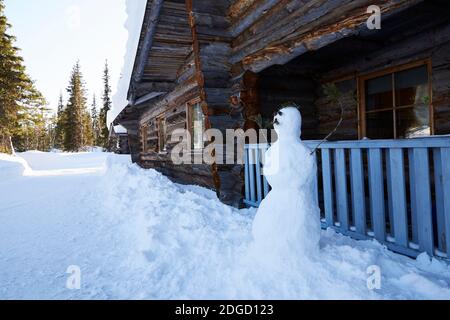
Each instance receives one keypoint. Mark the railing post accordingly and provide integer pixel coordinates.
(327, 187)
(358, 192)
(247, 173)
(398, 196)
(440, 198)
(377, 194)
(445, 160)
(341, 189)
(423, 200)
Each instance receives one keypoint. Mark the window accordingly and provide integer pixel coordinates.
(144, 137)
(397, 104)
(196, 122)
(162, 134)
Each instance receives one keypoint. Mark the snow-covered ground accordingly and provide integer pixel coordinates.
(136, 235)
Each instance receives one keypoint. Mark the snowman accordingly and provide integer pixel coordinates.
(287, 222)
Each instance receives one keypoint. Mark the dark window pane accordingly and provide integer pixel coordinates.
(380, 125)
(413, 122)
(379, 93)
(411, 87)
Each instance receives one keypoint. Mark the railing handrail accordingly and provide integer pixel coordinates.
(425, 142)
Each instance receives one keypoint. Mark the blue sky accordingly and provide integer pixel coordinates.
(54, 34)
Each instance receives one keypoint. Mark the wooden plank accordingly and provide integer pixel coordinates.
(264, 149)
(412, 191)
(390, 198)
(445, 159)
(327, 187)
(341, 188)
(358, 191)
(316, 181)
(265, 182)
(397, 192)
(376, 188)
(258, 177)
(247, 174)
(252, 175)
(423, 200)
(439, 203)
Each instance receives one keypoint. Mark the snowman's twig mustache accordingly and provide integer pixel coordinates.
(276, 122)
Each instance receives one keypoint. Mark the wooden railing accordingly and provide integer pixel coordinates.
(396, 191)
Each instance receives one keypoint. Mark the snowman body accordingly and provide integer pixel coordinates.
(288, 219)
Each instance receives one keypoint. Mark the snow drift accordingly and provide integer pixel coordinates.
(191, 246)
(136, 235)
(13, 167)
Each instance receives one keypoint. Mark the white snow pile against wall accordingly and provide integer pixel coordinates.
(135, 12)
(191, 246)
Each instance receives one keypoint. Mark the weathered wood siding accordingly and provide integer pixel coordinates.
(243, 58)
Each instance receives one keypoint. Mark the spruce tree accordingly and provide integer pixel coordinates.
(60, 123)
(95, 122)
(104, 130)
(18, 95)
(75, 127)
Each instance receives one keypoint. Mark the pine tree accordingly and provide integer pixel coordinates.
(95, 122)
(18, 96)
(104, 131)
(75, 135)
(60, 124)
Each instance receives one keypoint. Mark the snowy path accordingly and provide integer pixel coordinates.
(136, 235)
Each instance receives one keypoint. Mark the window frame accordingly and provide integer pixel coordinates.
(189, 108)
(144, 137)
(361, 88)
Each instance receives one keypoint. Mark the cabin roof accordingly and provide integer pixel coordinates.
(260, 34)
(164, 44)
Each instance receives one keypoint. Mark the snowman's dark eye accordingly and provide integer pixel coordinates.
(280, 113)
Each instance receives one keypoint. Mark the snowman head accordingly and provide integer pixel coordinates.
(288, 122)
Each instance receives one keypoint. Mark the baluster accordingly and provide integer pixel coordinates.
(358, 191)
(252, 175)
(445, 160)
(412, 188)
(341, 189)
(258, 175)
(440, 217)
(423, 200)
(397, 193)
(316, 182)
(327, 187)
(247, 174)
(377, 208)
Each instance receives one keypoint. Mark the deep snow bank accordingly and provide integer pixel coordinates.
(13, 167)
(191, 246)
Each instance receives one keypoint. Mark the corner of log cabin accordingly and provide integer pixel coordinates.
(243, 58)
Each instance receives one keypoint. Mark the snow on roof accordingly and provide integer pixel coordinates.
(120, 129)
(136, 12)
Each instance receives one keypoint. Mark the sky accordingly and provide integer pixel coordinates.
(54, 34)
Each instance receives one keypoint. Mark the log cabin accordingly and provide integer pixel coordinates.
(118, 140)
(194, 56)
(229, 64)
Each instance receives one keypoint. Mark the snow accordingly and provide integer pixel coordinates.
(135, 12)
(136, 235)
(287, 224)
(120, 129)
